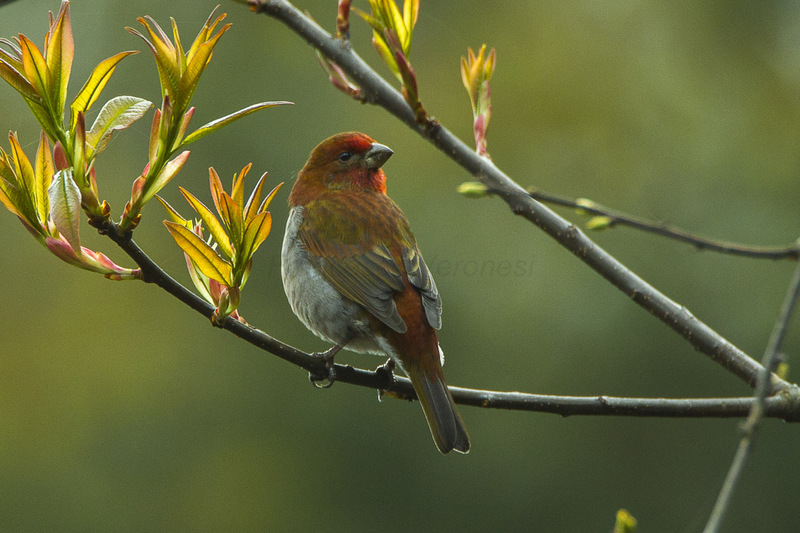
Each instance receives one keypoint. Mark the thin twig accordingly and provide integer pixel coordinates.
(770, 362)
(782, 406)
(377, 90)
(789, 251)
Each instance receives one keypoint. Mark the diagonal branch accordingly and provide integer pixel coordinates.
(790, 251)
(759, 406)
(377, 90)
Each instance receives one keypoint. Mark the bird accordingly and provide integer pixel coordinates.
(354, 275)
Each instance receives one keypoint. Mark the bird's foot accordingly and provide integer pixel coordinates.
(386, 372)
(326, 376)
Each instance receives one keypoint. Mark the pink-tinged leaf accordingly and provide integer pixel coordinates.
(59, 51)
(166, 121)
(137, 189)
(211, 222)
(173, 214)
(169, 171)
(35, 67)
(63, 250)
(219, 123)
(237, 188)
(194, 69)
(65, 207)
(43, 171)
(343, 20)
(154, 139)
(60, 157)
(257, 231)
(96, 83)
(268, 200)
(202, 255)
(337, 77)
(187, 117)
(17, 81)
(117, 114)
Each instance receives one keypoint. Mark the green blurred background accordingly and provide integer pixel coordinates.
(122, 410)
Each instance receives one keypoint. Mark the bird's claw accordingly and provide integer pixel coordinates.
(325, 378)
(386, 370)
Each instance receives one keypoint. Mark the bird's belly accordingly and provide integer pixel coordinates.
(321, 308)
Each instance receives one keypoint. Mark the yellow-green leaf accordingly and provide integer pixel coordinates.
(257, 231)
(219, 123)
(35, 67)
(169, 171)
(251, 209)
(59, 52)
(173, 214)
(237, 188)
(194, 69)
(211, 222)
(18, 82)
(95, 84)
(43, 176)
(232, 215)
(201, 254)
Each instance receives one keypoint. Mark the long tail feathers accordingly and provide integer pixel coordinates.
(445, 423)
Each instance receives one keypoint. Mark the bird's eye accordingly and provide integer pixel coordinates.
(344, 157)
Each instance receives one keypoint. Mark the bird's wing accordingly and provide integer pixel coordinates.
(368, 278)
(421, 278)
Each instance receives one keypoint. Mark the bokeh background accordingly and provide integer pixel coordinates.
(122, 410)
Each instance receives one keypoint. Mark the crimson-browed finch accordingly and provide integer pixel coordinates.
(355, 277)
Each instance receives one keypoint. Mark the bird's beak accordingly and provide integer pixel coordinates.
(377, 156)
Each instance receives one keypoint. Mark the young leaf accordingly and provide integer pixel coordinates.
(214, 125)
(211, 222)
(43, 174)
(35, 67)
(59, 51)
(268, 200)
(14, 78)
(251, 209)
(170, 170)
(173, 214)
(95, 84)
(117, 114)
(257, 232)
(202, 255)
(194, 69)
(65, 207)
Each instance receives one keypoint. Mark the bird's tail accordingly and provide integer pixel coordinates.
(445, 423)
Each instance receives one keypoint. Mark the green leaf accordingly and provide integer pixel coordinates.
(598, 223)
(59, 51)
(117, 114)
(211, 222)
(194, 69)
(251, 208)
(95, 84)
(164, 53)
(35, 67)
(65, 207)
(201, 254)
(18, 82)
(215, 125)
(231, 214)
(169, 171)
(268, 200)
(257, 231)
(24, 173)
(173, 214)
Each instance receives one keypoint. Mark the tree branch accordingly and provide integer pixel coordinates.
(376, 90)
(785, 405)
(758, 408)
(789, 251)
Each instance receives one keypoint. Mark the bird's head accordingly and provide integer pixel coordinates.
(348, 162)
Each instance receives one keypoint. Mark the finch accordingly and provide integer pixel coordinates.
(354, 275)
